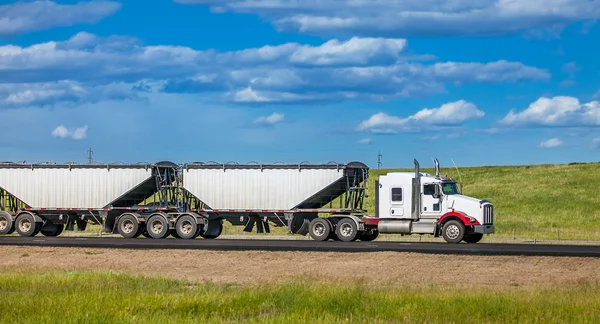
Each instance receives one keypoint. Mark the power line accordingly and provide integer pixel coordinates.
(379, 160)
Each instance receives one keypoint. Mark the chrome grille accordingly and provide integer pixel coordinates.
(488, 215)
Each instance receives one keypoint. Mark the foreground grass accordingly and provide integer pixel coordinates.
(107, 298)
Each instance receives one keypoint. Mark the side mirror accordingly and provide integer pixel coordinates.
(437, 192)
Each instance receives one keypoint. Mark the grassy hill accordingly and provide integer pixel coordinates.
(541, 201)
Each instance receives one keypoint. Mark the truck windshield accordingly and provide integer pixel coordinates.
(450, 188)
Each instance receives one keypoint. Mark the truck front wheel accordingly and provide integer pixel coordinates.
(453, 231)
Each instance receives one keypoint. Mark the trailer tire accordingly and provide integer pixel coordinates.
(453, 231)
(128, 226)
(157, 227)
(52, 230)
(186, 227)
(26, 225)
(367, 237)
(7, 225)
(346, 230)
(319, 229)
(473, 238)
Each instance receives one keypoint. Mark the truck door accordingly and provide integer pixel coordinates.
(430, 207)
(397, 202)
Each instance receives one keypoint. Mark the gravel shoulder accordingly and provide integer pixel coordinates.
(258, 267)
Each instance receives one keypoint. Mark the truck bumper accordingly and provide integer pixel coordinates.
(483, 229)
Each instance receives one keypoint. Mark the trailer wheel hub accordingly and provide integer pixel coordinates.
(127, 226)
(25, 225)
(186, 227)
(157, 226)
(319, 229)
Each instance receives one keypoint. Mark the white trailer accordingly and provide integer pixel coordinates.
(129, 199)
(285, 194)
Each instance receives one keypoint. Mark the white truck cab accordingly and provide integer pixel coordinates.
(420, 203)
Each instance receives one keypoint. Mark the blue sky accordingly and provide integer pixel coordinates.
(483, 82)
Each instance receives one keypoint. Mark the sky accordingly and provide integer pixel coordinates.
(471, 82)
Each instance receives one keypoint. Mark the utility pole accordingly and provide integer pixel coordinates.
(379, 160)
(90, 156)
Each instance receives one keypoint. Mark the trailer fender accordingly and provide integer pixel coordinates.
(163, 215)
(37, 218)
(360, 225)
(464, 218)
(200, 219)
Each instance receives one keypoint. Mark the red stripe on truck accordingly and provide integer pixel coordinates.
(371, 221)
(460, 215)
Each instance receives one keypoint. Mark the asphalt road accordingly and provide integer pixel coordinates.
(308, 245)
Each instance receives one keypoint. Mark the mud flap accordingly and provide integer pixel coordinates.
(213, 229)
(298, 223)
(81, 224)
(262, 225)
(250, 224)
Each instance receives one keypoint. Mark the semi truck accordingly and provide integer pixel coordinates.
(323, 201)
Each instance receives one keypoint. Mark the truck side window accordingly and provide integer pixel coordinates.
(429, 189)
(396, 194)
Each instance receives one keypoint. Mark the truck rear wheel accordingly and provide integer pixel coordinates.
(7, 225)
(346, 230)
(453, 231)
(473, 238)
(319, 229)
(26, 225)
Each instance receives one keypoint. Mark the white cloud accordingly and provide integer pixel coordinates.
(60, 131)
(413, 18)
(78, 133)
(23, 17)
(551, 143)
(359, 68)
(556, 111)
(365, 141)
(50, 93)
(272, 119)
(449, 114)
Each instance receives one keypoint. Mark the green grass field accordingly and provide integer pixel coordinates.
(110, 298)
